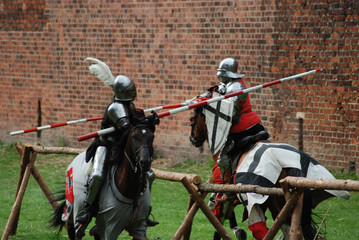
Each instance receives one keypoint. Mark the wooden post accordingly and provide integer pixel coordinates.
(295, 225)
(283, 215)
(205, 209)
(188, 229)
(184, 229)
(25, 156)
(17, 205)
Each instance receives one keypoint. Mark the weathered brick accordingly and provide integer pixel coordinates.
(171, 50)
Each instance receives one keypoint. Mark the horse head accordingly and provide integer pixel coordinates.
(140, 141)
(141, 147)
(138, 155)
(198, 128)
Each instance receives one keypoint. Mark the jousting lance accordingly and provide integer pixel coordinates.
(54, 125)
(204, 102)
(93, 119)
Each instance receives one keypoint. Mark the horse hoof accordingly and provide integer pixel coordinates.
(240, 234)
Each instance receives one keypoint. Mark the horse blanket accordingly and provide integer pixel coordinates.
(116, 212)
(263, 164)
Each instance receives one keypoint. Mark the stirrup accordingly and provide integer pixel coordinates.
(82, 220)
(151, 223)
(83, 216)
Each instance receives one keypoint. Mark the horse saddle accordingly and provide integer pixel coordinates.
(243, 145)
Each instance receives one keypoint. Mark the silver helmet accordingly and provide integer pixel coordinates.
(124, 88)
(228, 70)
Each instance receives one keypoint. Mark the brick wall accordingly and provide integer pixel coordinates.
(171, 49)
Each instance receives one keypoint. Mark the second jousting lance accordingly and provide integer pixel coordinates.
(205, 102)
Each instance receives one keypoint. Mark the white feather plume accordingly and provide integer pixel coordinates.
(101, 71)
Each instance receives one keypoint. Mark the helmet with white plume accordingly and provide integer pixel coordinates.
(123, 87)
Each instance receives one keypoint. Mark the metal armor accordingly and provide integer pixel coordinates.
(119, 115)
(97, 174)
(231, 87)
(227, 74)
(227, 70)
(95, 181)
(124, 88)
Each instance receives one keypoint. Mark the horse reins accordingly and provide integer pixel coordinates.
(134, 167)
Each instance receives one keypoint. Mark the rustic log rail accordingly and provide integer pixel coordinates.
(210, 187)
(348, 185)
(292, 188)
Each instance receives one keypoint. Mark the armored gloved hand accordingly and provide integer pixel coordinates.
(153, 118)
(222, 89)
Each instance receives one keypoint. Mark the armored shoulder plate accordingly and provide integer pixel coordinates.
(236, 86)
(118, 114)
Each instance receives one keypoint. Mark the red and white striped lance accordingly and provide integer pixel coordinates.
(54, 126)
(92, 119)
(177, 105)
(205, 102)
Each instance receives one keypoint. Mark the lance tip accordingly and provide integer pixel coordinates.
(319, 69)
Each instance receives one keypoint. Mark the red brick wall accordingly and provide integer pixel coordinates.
(171, 49)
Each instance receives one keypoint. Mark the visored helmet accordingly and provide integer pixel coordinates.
(124, 88)
(228, 70)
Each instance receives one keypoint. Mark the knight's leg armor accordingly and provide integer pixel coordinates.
(96, 178)
(150, 175)
(97, 175)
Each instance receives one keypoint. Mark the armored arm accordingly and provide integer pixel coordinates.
(236, 87)
(206, 95)
(119, 115)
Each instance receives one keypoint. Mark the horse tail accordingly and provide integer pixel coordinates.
(309, 226)
(56, 221)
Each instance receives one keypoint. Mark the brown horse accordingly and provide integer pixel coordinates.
(124, 201)
(284, 155)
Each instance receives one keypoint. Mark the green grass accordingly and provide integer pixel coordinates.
(169, 201)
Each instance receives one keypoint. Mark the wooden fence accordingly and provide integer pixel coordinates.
(292, 189)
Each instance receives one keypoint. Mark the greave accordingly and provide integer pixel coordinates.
(97, 175)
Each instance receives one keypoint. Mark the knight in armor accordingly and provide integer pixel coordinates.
(246, 128)
(106, 148)
(246, 124)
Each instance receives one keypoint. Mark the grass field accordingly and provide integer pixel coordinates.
(169, 200)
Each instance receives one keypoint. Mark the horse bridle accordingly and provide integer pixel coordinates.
(136, 163)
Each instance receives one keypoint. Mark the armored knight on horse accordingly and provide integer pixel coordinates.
(106, 150)
(233, 122)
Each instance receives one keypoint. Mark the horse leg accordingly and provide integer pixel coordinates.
(257, 222)
(309, 227)
(71, 233)
(238, 232)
